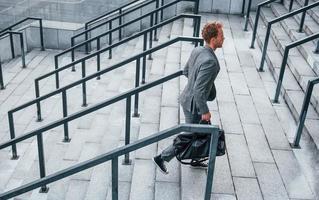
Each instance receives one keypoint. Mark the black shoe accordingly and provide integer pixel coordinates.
(199, 165)
(160, 163)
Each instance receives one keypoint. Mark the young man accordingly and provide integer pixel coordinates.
(201, 70)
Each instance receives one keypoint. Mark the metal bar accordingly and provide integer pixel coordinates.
(22, 50)
(243, 8)
(120, 24)
(151, 37)
(72, 55)
(115, 177)
(162, 11)
(156, 20)
(12, 136)
(211, 164)
(37, 95)
(247, 15)
(1, 77)
(86, 38)
(255, 27)
(303, 16)
(65, 114)
(196, 6)
(44, 188)
(57, 80)
(41, 35)
(110, 39)
(98, 60)
(84, 85)
(11, 45)
(290, 5)
(263, 57)
(127, 160)
(137, 84)
(144, 58)
(317, 48)
(281, 74)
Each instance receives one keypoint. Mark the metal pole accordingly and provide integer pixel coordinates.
(44, 188)
(281, 74)
(162, 11)
(72, 54)
(243, 8)
(41, 35)
(37, 94)
(84, 85)
(57, 81)
(255, 27)
(115, 174)
(12, 136)
(144, 58)
(302, 21)
(137, 82)
(86, 38)
(110, 39)
(151, 36)
(98, 60)
(196, 7)
(211, 164)
(303, 115)
(261, 67)
(1, 77)
(290, 5)
(317, 48)
(22, 51)
(65, 114)
(156, 20)
(12, 45)
(127, 160)
(120, 23)
(247, 15)
(197, 26)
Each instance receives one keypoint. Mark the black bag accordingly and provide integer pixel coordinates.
(195, 146)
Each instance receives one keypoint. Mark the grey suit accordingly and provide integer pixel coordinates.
(201, 70)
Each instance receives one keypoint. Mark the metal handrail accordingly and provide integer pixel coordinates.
(116, 153)
(64, 121)
(278, 19)
(110, 31)
(24, 20)
(196, 19)
(83, 81)
(1, 77)
(303, 113)
(285, 60)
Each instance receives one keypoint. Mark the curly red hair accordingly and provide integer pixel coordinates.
(210, 30)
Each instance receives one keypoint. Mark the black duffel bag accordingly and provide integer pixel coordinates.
(195, 146)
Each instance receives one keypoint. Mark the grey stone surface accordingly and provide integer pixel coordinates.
(252, 78)
(165, 190)
(262, 102)
(229, 117)
(223, 182)
(224, 85)
(193, 183)
(246, 110)
(238, 83)
(247, 188)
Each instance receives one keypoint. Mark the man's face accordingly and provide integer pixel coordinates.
(220, 38)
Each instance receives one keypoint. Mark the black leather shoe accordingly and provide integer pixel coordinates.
(199, 165)
(160, 163)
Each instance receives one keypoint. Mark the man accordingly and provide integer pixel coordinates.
(201, 70)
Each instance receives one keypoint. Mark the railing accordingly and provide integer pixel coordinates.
(116, 153)
(111, 31)
(64, 121)
(303, 113)
(285, 60)
(317, 48)
(24, 20)
(278, 19)
(144, 33)
(83, 81)
(1, 77)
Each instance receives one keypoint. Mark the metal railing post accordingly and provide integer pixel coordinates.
(12, 45)
(22, 50)
(196, 9)
(120, 23)
(211, 164)
(38, 104)
(115, 174)
(317, 48)
(281, 75)
(243, 8)
(41, 35)
(65, 114)
(44, 188)
(302, 21)
(86, 38)
(57, 80)
(144, 58)
(1, 77)
(98, 60)
(12, 136)
(110, 39)
(137, 83)
(247, 15)
(303, 115)
(290, 5)
(263, 57)
(156, 20)
(162, 11)
(72, 54)
(84, 85)
(151, 36)
(127, 160)
(255, 27)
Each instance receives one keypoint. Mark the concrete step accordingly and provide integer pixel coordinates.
(292, 92)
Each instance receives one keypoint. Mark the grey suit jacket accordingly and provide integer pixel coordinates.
(201, 69)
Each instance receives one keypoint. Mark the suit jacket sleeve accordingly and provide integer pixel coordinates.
(205, 78)
(185, 71)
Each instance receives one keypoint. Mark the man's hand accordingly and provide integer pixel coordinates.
(206, 116)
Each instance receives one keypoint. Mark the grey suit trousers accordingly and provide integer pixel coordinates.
(169, 153)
